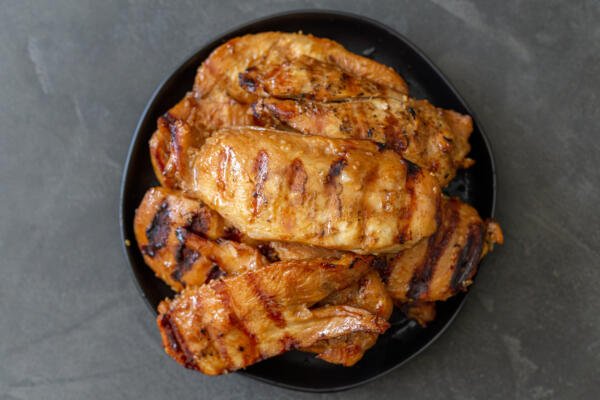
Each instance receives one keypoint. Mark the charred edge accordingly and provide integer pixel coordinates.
(200, 223)
(298, 177)
(335, 170)
(247, 81)
(468, 260)
(158, 231)
(215, 273)
(232, 233)
(269, 305)
(412, 169)
(181, 353)
(261, 172)
(269, 252)
(221, 291)
(419, 284)
(381, 265)
(185, 258)
(381, 146)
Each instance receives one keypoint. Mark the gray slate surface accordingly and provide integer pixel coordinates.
(74, 78)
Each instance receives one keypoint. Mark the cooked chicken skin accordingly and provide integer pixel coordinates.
(338, 194)
(444, 264)
(234, 322)
(432, 138)
(311, 79)
(221, 70)
(185, 243)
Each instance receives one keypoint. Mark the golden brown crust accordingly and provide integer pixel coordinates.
(221, 70)
(234, 322)
(352, 196)
(430, 137)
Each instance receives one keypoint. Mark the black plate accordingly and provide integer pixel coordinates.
(477, 186)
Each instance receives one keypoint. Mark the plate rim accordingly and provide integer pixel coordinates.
(214, 41)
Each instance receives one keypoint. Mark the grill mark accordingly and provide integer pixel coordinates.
(200, 222)
(297, 179)
(261, 173)
(185, 258)
(249, 356)
(468, 260)
(222, 168)
(182, 354)
(419, 284)
(158, 231)
(412, 172)
(335, 170)
(215, 273)
(232, 233)
(269, 305)
(247, 81)
(269, 252)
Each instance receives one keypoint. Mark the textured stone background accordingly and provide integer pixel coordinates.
(74, 78)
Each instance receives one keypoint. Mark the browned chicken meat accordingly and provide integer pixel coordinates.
(234, 322)
(300, 202)
(333, 193)
(444, 264)
(221, 70)
(310, 79)
(430, 137)
(186, 243)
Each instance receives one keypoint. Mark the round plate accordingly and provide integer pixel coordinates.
(405, 339)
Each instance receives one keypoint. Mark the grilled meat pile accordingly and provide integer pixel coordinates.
(300, 201)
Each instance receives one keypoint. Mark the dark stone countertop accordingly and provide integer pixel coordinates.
(74, 78)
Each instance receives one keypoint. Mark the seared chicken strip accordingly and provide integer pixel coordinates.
(186, 126)
(310, 79)
(430, 137)
(237, 321)
(186, 243)
(444, 264)
(221, 70)
(333, 193)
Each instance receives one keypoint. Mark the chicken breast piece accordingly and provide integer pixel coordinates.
(234, 322)
(333, 193)
(430, 137)
(186, 244)
(186, 126)
(370, 294)
(310, 79)
(444, 264)
(221, 70)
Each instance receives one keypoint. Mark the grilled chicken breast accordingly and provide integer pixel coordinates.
(186, 243)
(444, 264)
(221, 70)
(234, 322)
(333, 193)
(430, 137)
(310, 79)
